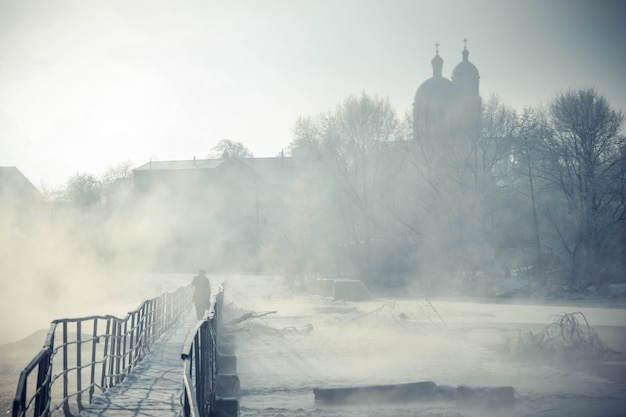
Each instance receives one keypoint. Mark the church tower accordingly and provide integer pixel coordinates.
(433, 99)
(442, 104)
(465, 75)
(466, 79)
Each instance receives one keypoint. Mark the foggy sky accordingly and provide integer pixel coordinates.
(84, 85)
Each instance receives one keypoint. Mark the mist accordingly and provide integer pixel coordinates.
(272, 228)
(64, 260)
(314, 341)
(103, 250)
(102, 81)
(424, 205)
(450, 207)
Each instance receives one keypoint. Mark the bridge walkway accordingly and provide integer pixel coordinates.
(154, 388)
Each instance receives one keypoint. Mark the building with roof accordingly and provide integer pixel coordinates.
(16, 189)
(20, 200)
(215, 210)
(226, 208)
(445, 106)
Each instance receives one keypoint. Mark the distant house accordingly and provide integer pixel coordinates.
(215, 210)
(16, 190)
(20, 200)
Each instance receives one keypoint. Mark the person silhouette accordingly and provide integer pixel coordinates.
(201, 293)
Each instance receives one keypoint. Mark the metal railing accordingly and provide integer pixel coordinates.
(199, 357)
(95, 352)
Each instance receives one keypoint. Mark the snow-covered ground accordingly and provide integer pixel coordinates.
(380, 341)
(391, 341)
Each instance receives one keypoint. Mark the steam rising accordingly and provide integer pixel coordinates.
(69, 258)
(401, 340)
(59, 261)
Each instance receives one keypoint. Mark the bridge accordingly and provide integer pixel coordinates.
(157, 361)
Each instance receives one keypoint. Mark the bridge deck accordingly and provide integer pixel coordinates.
(154, 388)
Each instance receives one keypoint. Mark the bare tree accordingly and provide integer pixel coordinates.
(531, 130)
(532, 197)
(226, 148)
(490, 152)
(499, 125)
(584, 161)
(459, 195)
(113, 173)
(116, 182)
(82, 190)
(351, 147)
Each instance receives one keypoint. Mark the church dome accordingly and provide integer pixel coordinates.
(437, 63)
(435, 89)
(465, 69)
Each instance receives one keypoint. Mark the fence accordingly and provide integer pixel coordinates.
(200, 364)
(95, 352)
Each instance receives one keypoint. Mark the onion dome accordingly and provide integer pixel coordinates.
(437, 64)
(465, 75)
(465, 69)
(437, 88)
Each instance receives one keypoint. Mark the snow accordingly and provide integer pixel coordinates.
(392, 341)
(450, 341)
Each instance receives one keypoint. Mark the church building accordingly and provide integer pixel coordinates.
(445, 106)
(226, 207)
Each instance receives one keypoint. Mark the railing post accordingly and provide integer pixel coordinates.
(42, 401)
(118, 350)
(141, 336)
(172, 308)
(92, 370)
(19, 403)
(138, 336)
(131, 347)
(153, 305)
(198, 371)
(147, 326)
(124, 349)
(160, 317)
(112, 353)
(106, 356)
(79, 365)
(209, 363)
(186, 402)
(66, 404)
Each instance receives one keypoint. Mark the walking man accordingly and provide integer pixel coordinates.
(201, 293)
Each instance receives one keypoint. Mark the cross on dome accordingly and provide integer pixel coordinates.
(465, 52)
